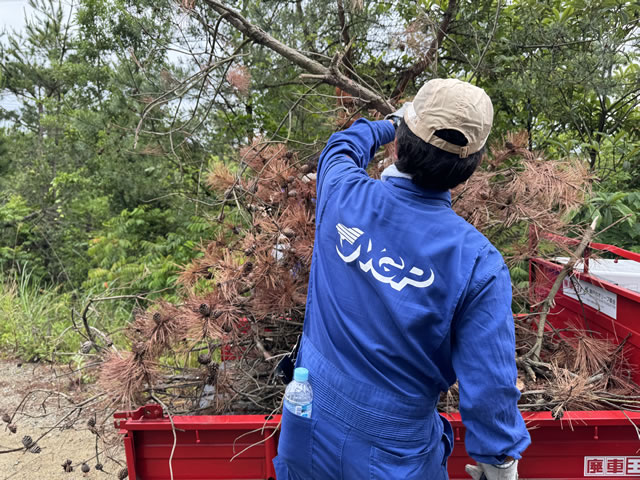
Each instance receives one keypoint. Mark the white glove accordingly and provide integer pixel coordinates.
(506, 471)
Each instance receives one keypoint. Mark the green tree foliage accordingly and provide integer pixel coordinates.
(123, 106)
(69, 166)
(619, 211)
(136, 252)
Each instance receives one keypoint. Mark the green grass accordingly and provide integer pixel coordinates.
(36, 321)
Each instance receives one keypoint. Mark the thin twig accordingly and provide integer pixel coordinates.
(634, 425)
(486, 47)
(173, 430)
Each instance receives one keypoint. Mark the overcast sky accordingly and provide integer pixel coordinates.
(12, 13)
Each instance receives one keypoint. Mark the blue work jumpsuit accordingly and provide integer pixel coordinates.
(404, 297)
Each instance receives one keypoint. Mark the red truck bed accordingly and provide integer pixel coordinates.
(595, 444)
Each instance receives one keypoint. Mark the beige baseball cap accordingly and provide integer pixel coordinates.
(447, 103)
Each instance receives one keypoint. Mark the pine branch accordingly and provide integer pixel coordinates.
(417, 68)
(549, 300)
(318, 71)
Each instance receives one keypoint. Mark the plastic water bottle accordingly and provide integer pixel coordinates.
(298, 397)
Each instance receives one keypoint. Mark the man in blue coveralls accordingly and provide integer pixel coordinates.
(404, 298)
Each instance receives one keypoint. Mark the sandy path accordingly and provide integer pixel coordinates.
(76, 443)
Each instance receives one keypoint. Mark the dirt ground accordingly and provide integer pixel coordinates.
(42, 411)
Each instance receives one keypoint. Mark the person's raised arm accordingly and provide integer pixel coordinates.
(483, 355)
(348, 152)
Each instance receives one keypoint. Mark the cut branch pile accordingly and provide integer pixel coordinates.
(577, 371)
(245, 295)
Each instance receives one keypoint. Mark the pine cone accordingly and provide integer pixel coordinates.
(12, 428)
(85, 468)
(68, 468)
(123, 474)
(204, 310)
(157, 318)
(204, 359)
(212, 377)
(86, 346)
(35, 449)
(27, 441)
(6, 418)
(91, 422)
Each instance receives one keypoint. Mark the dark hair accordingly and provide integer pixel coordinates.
(431, 167)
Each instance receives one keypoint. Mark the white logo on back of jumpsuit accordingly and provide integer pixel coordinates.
(385, 263)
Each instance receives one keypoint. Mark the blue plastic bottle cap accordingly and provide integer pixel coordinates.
(301, 374)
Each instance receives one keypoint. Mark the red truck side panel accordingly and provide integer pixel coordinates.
(569, 311)
(205, 445)
(561, 449)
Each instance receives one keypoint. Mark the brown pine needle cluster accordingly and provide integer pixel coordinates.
(157, 328)
(125, 375)
(521, 187)
(579, 371)
(240, 78)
